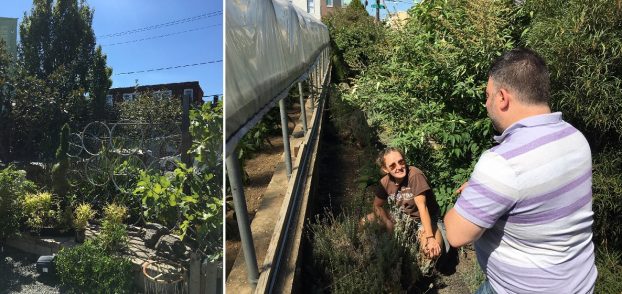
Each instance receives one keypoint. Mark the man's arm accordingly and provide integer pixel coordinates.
(461, 231)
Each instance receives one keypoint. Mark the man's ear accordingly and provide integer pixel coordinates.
(503, 99)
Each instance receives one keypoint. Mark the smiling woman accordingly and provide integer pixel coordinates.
(406, 188)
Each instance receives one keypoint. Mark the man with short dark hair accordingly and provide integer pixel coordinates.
(528, 204)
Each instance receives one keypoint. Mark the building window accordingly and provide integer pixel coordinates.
(329, 3)
(109, 100)
(129, 96)
(190, 93)
(310, 6)
(163, 94)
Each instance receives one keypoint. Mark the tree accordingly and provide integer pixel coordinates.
(6, 94)
(58, 50)
(354, 36)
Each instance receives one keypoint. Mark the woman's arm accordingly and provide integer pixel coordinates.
(382, 213)
(432, 246)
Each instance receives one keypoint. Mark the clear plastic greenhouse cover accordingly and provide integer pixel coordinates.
(269, 45)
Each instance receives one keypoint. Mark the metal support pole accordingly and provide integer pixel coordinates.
(239, 203)
(311, 90)
(288, 156)
(303, 109)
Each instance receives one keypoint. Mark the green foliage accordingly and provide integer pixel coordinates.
(425, 94)
(256, 138)
(39, 211)
(474, 277)
(60, 78)
(582, 43)
(88, 268)
(354, 36)
(609, 265)
(82, 215)
(59, 35)
(363, 259)
(607, 199)
(60, 182)
(113, 236)
(115, 213)
(191, 197)
(147, 108)
(7, 92)
(13, 187)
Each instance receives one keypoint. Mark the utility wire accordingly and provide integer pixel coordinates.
(166, 24)
(167, 68)
(161, 36)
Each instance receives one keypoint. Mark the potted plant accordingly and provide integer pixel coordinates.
(82, 215)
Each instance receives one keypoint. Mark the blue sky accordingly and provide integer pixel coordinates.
(392, 6)
(195, 38)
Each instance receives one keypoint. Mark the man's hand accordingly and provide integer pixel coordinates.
(462, 187)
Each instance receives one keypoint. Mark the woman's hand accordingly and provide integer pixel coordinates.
(432, 248)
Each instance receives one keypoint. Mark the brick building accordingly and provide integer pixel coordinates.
(164, 91)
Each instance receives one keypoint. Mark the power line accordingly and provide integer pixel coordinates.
(160, 36)
(167, 68)
(166, 24)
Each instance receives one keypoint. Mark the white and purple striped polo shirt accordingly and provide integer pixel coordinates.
(533, 194)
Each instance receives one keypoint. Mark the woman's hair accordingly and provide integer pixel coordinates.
(383, 153)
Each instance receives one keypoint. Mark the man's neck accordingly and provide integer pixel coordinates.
(523, 111)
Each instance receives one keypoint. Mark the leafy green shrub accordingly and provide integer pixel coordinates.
(354, 36)
(363, 259)
(113, 235)
(115, 213)
(148, 108)
(607, 199)
(609, 264)
(88, 268)
(13, 187)
(60, 183)
(582, 43)
(191, 197)
(38, 211)
(82, 215)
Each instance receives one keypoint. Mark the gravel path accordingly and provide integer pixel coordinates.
(18, 274)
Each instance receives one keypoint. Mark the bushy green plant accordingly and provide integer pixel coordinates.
(191, 197)
(60, 183)
(112, 237)
(39, 211)
(607, 199)
(115, 213)
(13, 187)
(609, 265)
(359, 259)
(88, 268)
(83, 213)
(354, 36)
(582, 43)
(147, 108)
